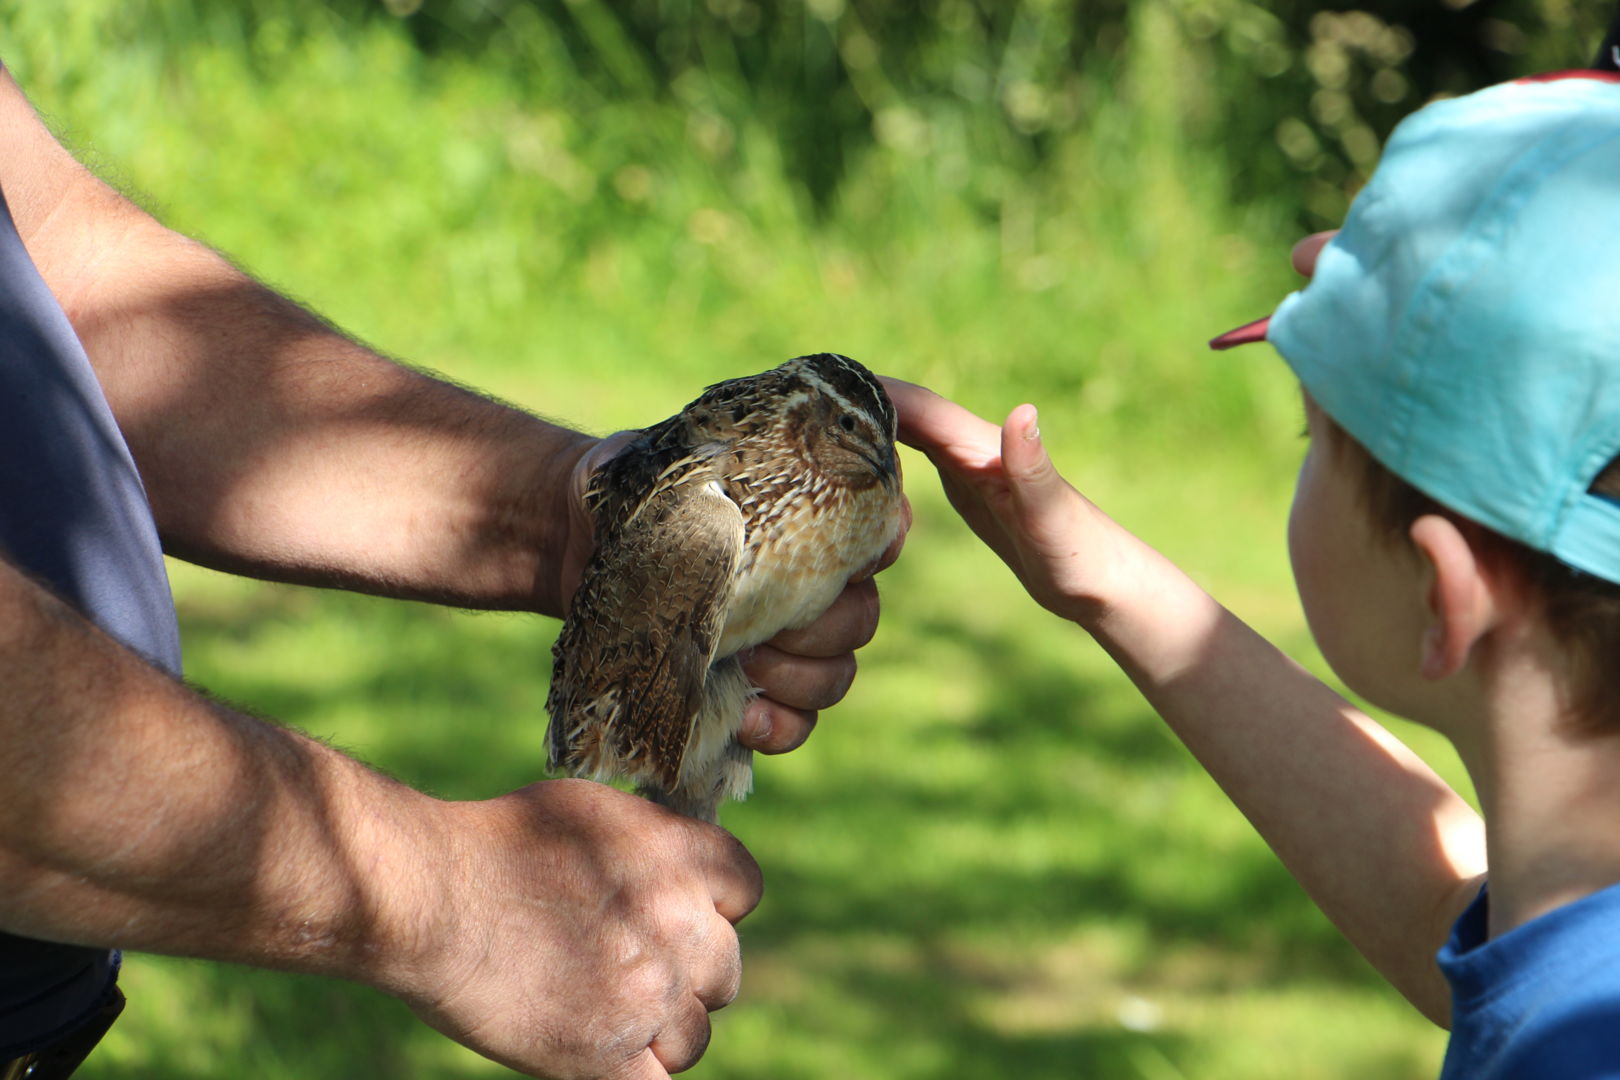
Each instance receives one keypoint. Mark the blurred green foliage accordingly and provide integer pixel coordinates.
(991, 860)
(834, 79)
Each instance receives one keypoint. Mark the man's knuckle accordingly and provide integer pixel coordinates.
(728, 989)
(685, 1045)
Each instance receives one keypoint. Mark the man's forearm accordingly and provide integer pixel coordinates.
(272, 444)
(138, 814)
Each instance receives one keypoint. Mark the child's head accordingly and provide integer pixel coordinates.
(1462, 335)
(1581, 610)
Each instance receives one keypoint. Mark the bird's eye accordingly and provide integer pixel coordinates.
(847, 422)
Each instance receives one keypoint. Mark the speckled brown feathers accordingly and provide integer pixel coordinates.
(741, 516)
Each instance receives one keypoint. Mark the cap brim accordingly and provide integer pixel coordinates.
(1246, 334)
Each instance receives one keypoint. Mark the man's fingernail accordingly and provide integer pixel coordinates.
(760, 730)
(1033, 432)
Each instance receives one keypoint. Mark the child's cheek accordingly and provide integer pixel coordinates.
(1320, 573)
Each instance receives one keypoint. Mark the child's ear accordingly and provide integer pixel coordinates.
(1461, 602)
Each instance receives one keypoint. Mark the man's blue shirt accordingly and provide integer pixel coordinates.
(74, 516)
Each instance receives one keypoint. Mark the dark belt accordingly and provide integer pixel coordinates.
(58, 1060)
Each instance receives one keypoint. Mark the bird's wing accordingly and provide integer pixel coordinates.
(630, 662)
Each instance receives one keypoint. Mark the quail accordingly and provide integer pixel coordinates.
(741, 516)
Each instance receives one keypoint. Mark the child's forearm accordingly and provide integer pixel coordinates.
(1388, 851)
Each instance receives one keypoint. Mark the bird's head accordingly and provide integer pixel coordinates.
(845, 419)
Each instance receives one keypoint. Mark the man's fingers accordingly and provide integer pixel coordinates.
(773, 728)
(802, 671)
(800, 682)
(718, 985)
(734, 878)
(848, 623)
(1306, 252)
(679, 1046)
(645, 1066)
(715, 978)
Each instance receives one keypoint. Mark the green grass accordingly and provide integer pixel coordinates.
(991, 860)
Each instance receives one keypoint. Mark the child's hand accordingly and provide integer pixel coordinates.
(1306, 251)
(1001, 481)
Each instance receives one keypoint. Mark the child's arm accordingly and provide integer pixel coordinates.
(1384, 847)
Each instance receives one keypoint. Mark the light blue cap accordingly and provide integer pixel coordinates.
(1464, 325)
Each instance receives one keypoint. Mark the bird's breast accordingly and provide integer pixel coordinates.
(800, 552)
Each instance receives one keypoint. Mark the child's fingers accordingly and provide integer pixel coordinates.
(1030, 473)
(1306, 251)
(940, 428)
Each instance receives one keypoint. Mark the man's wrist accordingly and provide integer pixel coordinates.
(404, 853)
(564, 534)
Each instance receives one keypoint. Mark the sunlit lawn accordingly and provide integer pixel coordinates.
(992, 860)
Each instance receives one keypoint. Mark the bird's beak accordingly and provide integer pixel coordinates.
(887, 464)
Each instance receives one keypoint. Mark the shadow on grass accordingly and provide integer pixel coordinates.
(1044, 733)
(280, 1025)
(454, 704)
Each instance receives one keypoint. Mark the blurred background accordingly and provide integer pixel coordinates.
(991, 860)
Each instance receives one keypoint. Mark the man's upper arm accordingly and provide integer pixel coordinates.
(36, 172)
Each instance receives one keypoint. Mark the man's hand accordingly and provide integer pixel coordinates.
(802, 671)
(799, 672)
(580, 932)
(567, 929)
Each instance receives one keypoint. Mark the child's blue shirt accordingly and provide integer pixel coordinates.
(1542, 1000)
